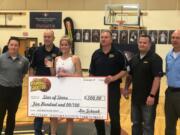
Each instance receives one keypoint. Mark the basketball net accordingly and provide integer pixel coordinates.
(120, 22)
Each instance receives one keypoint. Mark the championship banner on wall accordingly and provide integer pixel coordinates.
(45, 20)
(67, 97)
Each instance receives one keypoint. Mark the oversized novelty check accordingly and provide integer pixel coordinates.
(68, 97)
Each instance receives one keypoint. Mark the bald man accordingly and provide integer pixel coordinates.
(172, 96)
(39, 66)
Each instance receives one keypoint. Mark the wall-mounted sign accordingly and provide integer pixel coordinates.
(45, 20)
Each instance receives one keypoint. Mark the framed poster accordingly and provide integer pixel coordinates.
(153, 35)
(86, 35)
(95, 35)
(123, 37)
(169, 36)
(115, 35)
(133, 36)
(78, 35)
(162, 37)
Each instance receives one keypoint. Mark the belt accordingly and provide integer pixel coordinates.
(174, 89)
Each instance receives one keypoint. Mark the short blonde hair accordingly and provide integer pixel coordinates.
(66, 38)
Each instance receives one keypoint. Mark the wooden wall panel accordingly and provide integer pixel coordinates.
(58, 4)
(178, 4)
(84, 4)
(95, 4)
(12, 4)
(37, 4)
(142, 3)
(161, 4)
(76, 5)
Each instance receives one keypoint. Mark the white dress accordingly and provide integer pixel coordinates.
(67, 65)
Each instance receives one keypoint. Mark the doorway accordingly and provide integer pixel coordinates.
(26, 43)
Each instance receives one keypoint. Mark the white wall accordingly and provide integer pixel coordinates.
(156, 20)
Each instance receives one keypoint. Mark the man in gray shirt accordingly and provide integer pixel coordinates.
(13, 67)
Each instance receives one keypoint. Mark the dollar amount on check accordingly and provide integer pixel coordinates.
(67, 97)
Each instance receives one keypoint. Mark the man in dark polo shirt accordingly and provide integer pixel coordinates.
(111, 63)
(39, 66)
(13, 67)
(145, 75)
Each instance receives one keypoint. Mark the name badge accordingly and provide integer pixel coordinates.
(146, 62)
(111, 55)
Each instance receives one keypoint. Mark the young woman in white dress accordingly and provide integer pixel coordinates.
(67, 65)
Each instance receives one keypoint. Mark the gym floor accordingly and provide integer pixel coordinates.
(24, 124)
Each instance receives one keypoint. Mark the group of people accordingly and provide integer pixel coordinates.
(144, 71)
(47, 62)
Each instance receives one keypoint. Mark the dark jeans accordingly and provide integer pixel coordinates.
(114, 112)
(9, 101)
(143, 118)
(172, 111)
(38, 123)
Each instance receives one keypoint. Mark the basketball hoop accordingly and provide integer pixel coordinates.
(120, 22)
(122, 14)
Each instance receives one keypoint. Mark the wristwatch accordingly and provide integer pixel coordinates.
(151, 95)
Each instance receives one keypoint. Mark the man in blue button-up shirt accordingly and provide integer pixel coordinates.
(172, 99)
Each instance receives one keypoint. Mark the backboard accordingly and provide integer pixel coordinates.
(122, 14)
